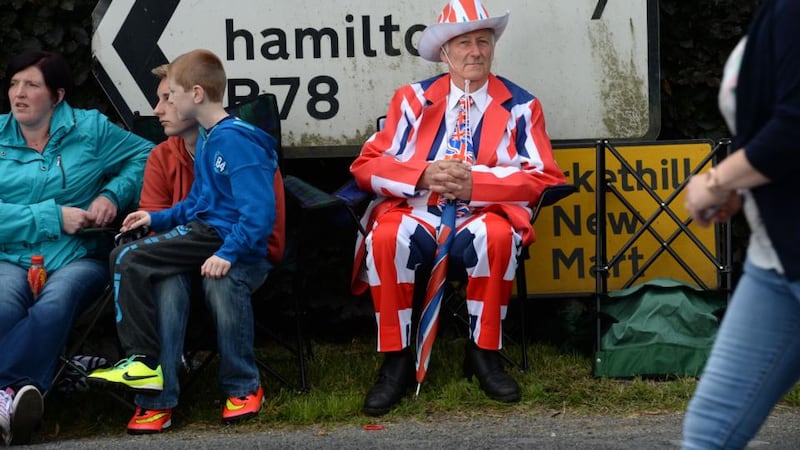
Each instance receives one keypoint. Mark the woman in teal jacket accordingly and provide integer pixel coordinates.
(63, 170)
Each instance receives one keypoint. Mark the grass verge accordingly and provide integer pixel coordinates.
(341, 373)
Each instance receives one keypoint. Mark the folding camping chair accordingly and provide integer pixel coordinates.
(83, 354)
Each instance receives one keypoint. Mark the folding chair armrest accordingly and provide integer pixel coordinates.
(308, 196)
(351, 194)
(552, 195)
(94, 231)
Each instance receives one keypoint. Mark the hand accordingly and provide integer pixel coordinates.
(104, 210)
(704, 204)
(215, 267)
(724, 211)
(74, 219)
(135, 219)
(451, 178)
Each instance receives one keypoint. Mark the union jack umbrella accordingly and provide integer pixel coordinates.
(429, 319)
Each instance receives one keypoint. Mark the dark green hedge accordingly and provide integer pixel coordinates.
(61, 25)
(696, 37)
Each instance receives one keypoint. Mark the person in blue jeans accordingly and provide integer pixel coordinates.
(64, 169)
(755, 359)
(168, 178)
(221, 231)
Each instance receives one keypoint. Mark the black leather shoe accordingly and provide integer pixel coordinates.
(394, 379)
(488, 369)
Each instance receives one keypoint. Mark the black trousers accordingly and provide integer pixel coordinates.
(137, 266)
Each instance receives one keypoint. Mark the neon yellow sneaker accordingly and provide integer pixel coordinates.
(131, 373)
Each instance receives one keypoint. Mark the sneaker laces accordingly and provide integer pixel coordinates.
(246, 397)
(142, 412)
(121, 364)
(6, 398)
(6, 401)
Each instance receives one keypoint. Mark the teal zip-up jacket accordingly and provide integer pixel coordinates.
(86, 156)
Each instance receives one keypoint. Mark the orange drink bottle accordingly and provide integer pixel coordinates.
(36, 274)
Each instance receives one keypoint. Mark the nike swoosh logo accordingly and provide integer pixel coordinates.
(232, 407)
(127, 377)
(152, 419)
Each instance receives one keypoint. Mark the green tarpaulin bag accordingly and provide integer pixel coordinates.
(660, 328)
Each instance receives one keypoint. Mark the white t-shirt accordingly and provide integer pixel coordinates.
(760, 251)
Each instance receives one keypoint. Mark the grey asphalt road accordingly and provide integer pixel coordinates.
(506, 431)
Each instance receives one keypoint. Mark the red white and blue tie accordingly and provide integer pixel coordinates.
(459, 146)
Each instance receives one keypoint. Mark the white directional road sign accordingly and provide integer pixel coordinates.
(334, 64)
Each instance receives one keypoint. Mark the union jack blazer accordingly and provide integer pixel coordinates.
(514, 157)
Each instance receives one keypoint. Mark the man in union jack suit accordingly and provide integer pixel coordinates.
(417, 162)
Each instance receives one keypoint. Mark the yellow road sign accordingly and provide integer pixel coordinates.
(563, 258)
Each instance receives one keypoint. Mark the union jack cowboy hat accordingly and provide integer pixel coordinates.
(458, 17)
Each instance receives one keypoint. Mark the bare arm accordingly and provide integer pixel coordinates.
(712, 195)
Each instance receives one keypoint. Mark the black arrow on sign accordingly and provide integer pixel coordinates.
(137, 46)
(598, 10)
(137, 42)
